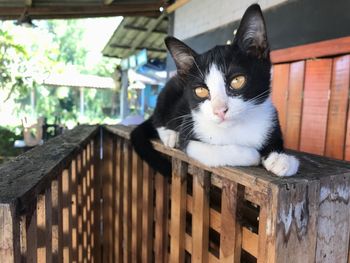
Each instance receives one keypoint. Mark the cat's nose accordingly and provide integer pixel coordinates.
(220, 112)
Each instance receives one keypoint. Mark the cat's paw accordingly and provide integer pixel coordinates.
(281, 164)
(168, 137)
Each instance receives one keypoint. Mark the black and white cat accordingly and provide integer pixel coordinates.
(217, 108)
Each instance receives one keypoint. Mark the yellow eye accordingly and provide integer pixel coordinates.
(202, 92)
(238, 82)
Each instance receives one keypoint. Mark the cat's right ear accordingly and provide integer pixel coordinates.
(182, 54)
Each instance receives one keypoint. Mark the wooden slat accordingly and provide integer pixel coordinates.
(60, 218)
(119, 192)
(230, 230)
(55, 219)
(73, 212)
(314, 50)
(294, 105)
(280, 92)
(147, 213)
(65, 215)
(8, 237)
(250, 242)
(160, 217)
(127, 203)
(107, 198)
(80, 207)
(262, 248)
(88, 201)
(97, 201)
(315, 105)
(84, 205)
(200, 216)
(41, 229)
(48, 217)
(32, 236)
(136, 213)
(338, 107)
(178, 211)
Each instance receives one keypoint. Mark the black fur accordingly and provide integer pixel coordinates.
(248, 55)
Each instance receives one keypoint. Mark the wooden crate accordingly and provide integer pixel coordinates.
(223, 214)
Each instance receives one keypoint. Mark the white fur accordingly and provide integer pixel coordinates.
(281, 164)
(216, 84)
(221, 155)
(168, 137)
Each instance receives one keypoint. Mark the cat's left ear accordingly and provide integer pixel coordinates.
(251, 35)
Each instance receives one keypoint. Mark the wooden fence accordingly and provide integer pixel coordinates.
(310, 88)
(49, 201)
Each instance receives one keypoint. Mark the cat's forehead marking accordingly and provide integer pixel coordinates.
(216, 83)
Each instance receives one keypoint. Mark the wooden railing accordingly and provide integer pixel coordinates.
(49, 201)
(62, 203)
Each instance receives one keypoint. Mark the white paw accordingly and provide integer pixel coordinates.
(281, 164)
(168, 137)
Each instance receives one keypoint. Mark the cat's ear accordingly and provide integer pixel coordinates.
(251, 35)
(182, 54)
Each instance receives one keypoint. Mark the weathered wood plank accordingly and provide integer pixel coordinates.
(280, 83)
(136, 213)
(80, 207)
(119, 191)
(315, 106)
(41, 229)
(230, 241)
(97, 200)
(127, 202)
(147, 213)
(178, 211)
(55, 219)
(294, 105)
(200, 216)
(333, 219)
(262, 248)
(84, 204)
(32, 235)
(32, 180)
(338, 107)
(65, 215)
(160, 217)
(73, 220)
(49, 223)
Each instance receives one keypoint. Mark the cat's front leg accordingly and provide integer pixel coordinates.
(169, 137)
(221, 155)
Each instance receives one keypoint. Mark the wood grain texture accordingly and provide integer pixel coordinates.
(315, 106)
(127, 202)
(147, 213)
(200, 216)
(294, 105)
(41, 229)
(280, 83)
(7, 240)
(178, 211)
(338, 107)
(325, 48)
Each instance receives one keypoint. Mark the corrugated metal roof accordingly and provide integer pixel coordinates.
(36, 9)
(136, 33)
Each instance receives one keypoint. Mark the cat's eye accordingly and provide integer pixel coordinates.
(202, 92)
(238, 82)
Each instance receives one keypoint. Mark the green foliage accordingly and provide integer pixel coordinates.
(7, 139)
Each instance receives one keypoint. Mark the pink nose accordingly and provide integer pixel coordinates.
(221, 112)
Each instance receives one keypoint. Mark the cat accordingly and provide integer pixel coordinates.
(217, 108)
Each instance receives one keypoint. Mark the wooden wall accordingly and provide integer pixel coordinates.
(310, 89)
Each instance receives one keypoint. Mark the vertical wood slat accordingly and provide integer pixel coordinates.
(91, 202)
(136, 213)
(65, 215)
(119, 191)
(73, 220)
(280, 92)
(200, 216)
(88, 200)
(9, 235)
(262, 248)
(97, 200)
(127, 202)
(55, 220)
(178, 211)
(294, 105)
(41, 229)
(84, 204)
(49, 219)
(230, 236)
(315, 105)
(80, 207)
(160, 214)
(107, 198)
(32, 235)
(338, 107)
(60, 218)
(147, 213)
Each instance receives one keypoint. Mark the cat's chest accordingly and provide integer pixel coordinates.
(252, 132)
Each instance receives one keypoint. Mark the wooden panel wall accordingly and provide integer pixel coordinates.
(312, 98)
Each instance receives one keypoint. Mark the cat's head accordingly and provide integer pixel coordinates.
(225, 82)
